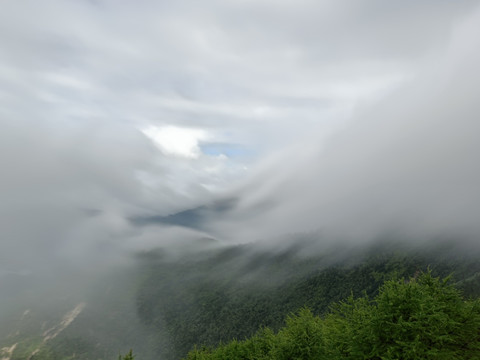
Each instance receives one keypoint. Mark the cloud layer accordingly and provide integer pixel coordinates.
(315, 114)
(406, 165)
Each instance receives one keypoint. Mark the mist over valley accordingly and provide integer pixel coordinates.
(185, 174)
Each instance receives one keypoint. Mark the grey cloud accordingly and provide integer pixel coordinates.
(78, 79)
(406, 165)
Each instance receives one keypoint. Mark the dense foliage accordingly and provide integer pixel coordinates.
(211, 300)
(422, 318)
(128, 356)
(163, 303)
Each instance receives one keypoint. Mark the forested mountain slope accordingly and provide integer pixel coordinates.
(164, 304)
(418, 318)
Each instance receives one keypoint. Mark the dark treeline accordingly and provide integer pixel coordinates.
(231, 294)
(420, 318)
(165, 305)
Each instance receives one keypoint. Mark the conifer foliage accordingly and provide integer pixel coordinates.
(128, 356)
(420, 318)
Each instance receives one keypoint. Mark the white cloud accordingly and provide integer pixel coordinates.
(178, 141)
(79, 78)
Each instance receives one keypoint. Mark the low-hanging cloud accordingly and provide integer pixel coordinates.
(407, 165)
(80, 80)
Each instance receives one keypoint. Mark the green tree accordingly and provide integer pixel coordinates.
(301, 338)
(128, 356)
(422, 318)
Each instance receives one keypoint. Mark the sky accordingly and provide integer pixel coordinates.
(351, 118)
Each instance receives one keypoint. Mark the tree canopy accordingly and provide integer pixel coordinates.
(423, 317)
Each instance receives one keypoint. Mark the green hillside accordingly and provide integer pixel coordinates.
(419, 318)
(163, 305)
